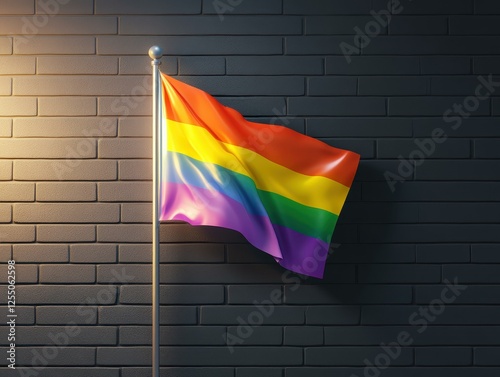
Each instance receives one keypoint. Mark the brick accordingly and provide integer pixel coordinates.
(486, 7)
(485, 356)
(55, 315)
(15, 106)
(212, 315)
(445, 356)
(66, 213)
(358, 127)
(180, 372)
(36, 253)
(90, 335)
(379, 213)
(5, 86)
(486, 148)
(125, 191)
(247, 86)
(249, 294)
(188, 25)
(66, 233)
(437, 336)
(261, 336)
(419, 25)
(258, 7)
(17, 233)
(393, 372)
(317, 45)
(320, 7)
(454, 253)
(483, 65)
(348, 294)
(5, 213)
(463, 85)
(303, 336)
(372, 65)
(66, 192)
(473, 127)
(375, 171)
(191, 45)
(252, 106)
(485, 170)
(46, 148)
(78, 7)
(136, 213)
(134, 315)
(174, 294)
(393, 86)
(173, 253)
(17, 7)
(429, 106)
(67, 106)
(38, 45)
(80, 85)
(5, 46)
(25, 274)
(125, 106)
(336, 106)
(431, 45)
(74, 371)
(66, 295)
(123, 233)
(135, 170)
(333, 315)
(125, 148)
(5, 128)
(273, 65)
(443, 7)
(458, 213)
(445, 65)
(65, 357)
(5, 253)
(147, 7)
(68, 170)
(477, 273)
(141, 65)
(65, 127)
(74, 25)
(485, 253)
(204, 65)
(484, 294)
(338, 25)
(82, 65)
(332, 86)
(474, 25)
(434, 192)
(25, 314)
(173, 335)
(452, 148)
(135, 127)
(93, 253)
(352, 356)
(396, 273)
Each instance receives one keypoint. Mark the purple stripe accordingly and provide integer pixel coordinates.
(200, 206)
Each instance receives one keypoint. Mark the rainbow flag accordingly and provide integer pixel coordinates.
(280, 189)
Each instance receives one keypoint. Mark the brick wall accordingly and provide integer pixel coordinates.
(414, 97)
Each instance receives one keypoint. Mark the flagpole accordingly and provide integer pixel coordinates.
(155, 53)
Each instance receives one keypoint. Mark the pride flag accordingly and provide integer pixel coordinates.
(282, 190)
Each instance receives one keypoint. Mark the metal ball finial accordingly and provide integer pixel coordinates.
(155, 52)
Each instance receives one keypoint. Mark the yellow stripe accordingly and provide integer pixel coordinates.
(196, 142)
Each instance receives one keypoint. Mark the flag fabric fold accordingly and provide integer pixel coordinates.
(283, 191)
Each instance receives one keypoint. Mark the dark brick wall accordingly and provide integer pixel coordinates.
(412, 288)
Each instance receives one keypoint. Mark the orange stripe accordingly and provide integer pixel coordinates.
(281, 145)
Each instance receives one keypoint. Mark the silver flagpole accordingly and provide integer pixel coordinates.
(156, 53)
